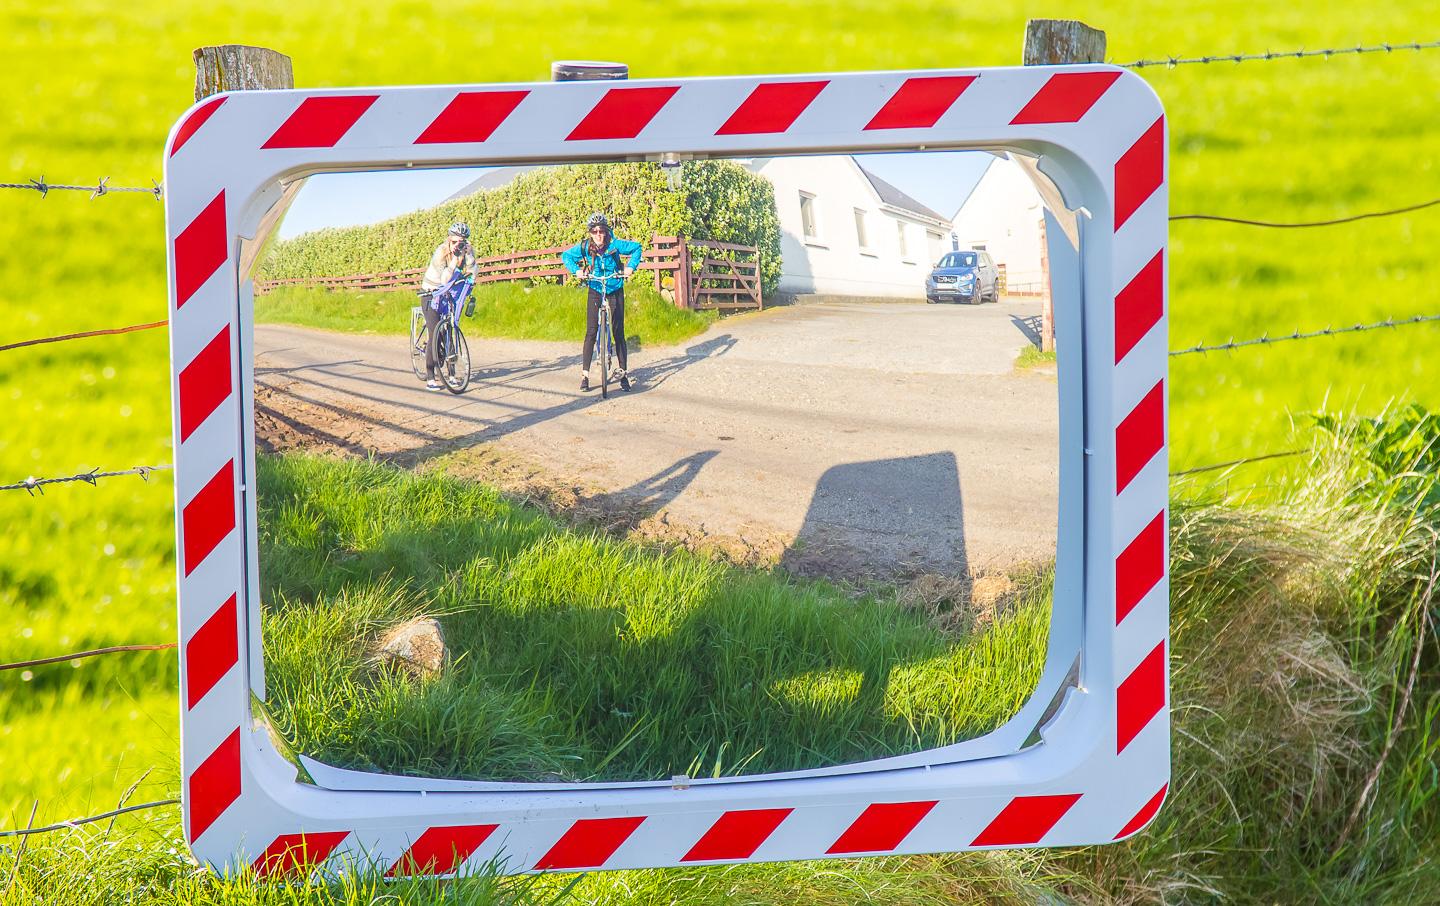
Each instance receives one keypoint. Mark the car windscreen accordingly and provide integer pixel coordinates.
(958, 259)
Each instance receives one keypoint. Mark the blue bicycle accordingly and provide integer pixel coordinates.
(452, 353)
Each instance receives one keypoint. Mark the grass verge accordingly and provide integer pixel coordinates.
(508, 310)
(577, 656)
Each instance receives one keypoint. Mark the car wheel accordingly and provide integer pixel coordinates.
(930, 300)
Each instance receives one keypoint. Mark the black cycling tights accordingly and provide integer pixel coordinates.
(592, 326)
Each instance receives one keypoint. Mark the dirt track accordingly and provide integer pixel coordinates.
(846, 439)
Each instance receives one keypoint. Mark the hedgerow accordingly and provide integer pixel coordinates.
(547, 207)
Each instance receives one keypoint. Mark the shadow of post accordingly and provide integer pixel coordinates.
(869, 518)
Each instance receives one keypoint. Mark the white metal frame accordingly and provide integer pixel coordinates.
(1093, 138)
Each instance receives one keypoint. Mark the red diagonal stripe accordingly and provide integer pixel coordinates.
(1140, 697)
(1148, 811)
(214, 785)
(441, 850)
(622, 113)
(1139, 437)
(1139, 567)
(589, 842)
(1025, 820)
(773, 107)
(1065, 98)
(1139, 305)
(737, 834)
(881, 827)
(1139, 172)
(320, 122)
(473, 116)
(293, 855)
(920, 102)
(211, 652)
(208, 517)
(194, 121)
(200, 249)
(205, 383)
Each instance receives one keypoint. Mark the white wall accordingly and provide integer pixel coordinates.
(833, 262)
(1004, 214)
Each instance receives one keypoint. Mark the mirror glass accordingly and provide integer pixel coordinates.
(798, 512)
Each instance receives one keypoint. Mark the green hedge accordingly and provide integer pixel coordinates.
(547, 207)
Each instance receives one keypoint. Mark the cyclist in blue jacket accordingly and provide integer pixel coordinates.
(598, 256)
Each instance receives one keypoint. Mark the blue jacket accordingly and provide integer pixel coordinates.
(607, 264)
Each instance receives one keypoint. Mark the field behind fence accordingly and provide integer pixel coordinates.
(92, 95)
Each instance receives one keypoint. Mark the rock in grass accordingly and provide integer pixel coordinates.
(417, 647)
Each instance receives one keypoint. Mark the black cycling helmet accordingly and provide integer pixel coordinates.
(598, 219)
(460, 229)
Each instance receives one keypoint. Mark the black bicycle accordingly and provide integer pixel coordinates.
(604, 338)
(452, 353)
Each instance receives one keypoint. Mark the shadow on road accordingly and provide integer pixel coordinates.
(315, 401)
(883, 517)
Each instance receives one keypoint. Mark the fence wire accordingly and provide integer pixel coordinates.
(1310, 223)
(33, 485)
(83, 334)
(89, 819)
(1387, 47)
(77, 655)
(1298, 335)
(101, 187)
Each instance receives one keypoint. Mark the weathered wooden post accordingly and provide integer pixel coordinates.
(1050, 42)
(682, 273)
(240, 67)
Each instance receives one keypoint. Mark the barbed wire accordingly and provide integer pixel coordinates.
(94, 652)
(1298, 335)
(83, 334)
(33, 485)
(1310, 223)
(102, 187)
(88, 819)
(1387, 47)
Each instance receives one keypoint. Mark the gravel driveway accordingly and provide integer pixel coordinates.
(853, 439)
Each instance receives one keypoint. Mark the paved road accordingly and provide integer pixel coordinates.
(851, 439)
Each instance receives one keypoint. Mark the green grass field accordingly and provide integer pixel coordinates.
(91, 91)
(543, 312)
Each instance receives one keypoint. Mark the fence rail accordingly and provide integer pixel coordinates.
(702, 273)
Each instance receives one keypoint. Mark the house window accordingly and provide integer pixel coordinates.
(807, 216)
(937, 244)
(900, 231)
(860, 236)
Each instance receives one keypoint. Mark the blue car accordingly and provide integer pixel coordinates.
(963, 277)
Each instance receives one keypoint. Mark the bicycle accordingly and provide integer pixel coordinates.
(604, 338)
(452, 353)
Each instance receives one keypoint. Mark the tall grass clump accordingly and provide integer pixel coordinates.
(1305, 684)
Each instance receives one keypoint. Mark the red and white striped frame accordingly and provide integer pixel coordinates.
(1101, 766)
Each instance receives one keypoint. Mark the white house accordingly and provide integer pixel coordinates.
(1004, 216)
(845, 231)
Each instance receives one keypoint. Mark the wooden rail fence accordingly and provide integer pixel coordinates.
(692, 273)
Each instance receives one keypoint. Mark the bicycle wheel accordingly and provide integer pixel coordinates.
(417, 342)
(604, 352)
(455, 370)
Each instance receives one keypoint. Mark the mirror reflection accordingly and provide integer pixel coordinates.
(623, 471)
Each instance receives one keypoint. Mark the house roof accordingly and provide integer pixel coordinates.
(892, 196)
(493, 179)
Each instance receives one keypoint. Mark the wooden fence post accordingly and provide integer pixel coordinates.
(1050, 42)
(240, 67)
(682, 273)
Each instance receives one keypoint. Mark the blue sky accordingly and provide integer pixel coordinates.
(938, 179)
